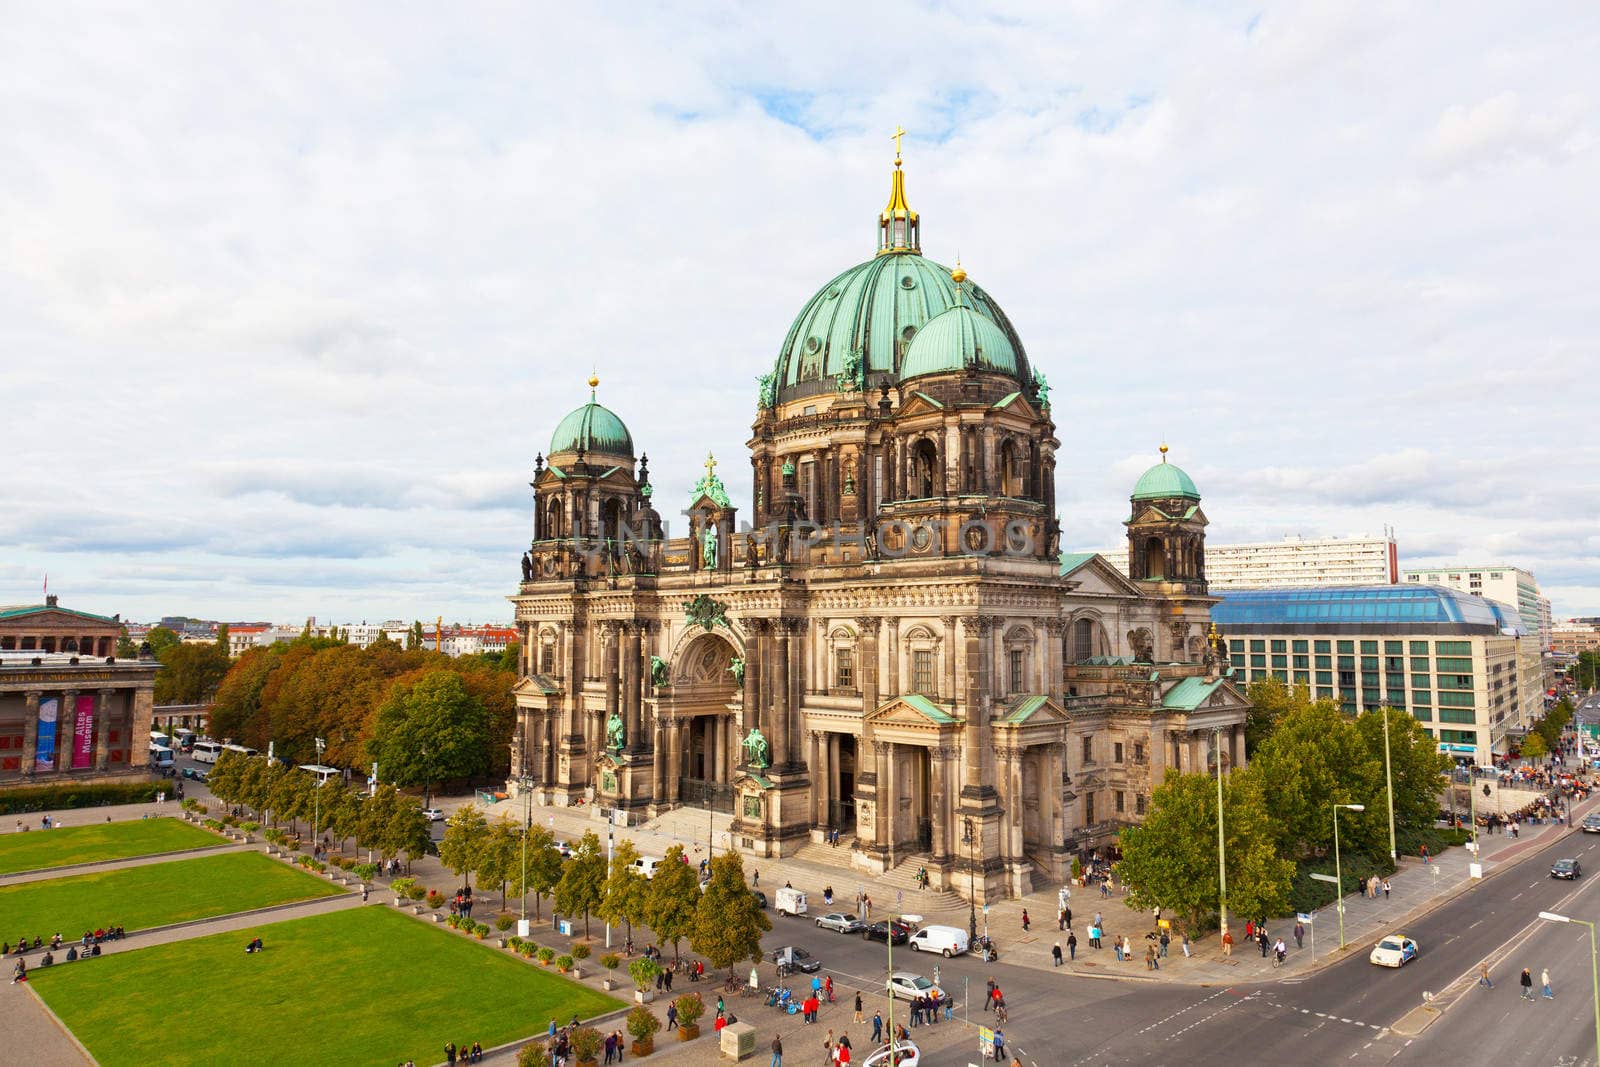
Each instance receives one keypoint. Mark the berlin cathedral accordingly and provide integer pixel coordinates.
(893, 645)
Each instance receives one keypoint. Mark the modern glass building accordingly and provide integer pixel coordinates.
(1461, 664)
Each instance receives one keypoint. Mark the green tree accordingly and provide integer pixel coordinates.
(435, 715)
(1585, 672)
(544, 866)
(222, 638)
(126, 649)
(500, 858)
(377, 812)
(674, 894)
(626, 897)
(159, 638)
(464, 837)
(408, 831)
(1415, 763)
(414, 636)
(728, 923)
(255, 783)
(1170, 860)
(580, 887)
(1533, 746)
(1313, 759)
(191, 674)
(1271, 698)
(291, 797)
(226, 779)
(341, 811)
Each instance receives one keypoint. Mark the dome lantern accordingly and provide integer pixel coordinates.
(899, 229)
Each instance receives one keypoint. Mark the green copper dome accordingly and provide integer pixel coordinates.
(594, 429)
(859, 327)
(955, 340)
(1165, 481)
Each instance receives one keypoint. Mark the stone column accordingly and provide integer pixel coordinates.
(867, 662)
(752, 677)
(66, 729)
(951, 658)
(893, 687)
(819, 788)
(940, 803)
(675, 728)
(30, 733)
(977, 628)
(781, 726)
(835, 796)
(633, 669)
(102, 728)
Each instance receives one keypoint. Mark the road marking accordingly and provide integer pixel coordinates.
(1475, 924)
(1519, 894)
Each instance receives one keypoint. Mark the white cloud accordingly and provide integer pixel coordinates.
(288, 304)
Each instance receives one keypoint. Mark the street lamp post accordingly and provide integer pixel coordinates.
(1594, 966)
(972, 879)
(316, 817)
(1222, 858)
(1338, 870)
(427, 779)
(1388, 776)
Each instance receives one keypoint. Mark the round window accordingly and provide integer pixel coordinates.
(813, 343)
(908, 282)
(908, 333)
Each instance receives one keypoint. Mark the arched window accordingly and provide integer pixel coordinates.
(611, 519)
(926, 480)
(1083, 640)
(1155, 558)
(552, 526)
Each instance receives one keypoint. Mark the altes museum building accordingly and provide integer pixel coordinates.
(892, 645)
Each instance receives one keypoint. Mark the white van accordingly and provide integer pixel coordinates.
(790, 901)
(647, 865)
(946, 940)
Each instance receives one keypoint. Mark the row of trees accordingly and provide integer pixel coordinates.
(722, 923)
(1544, 736)
(420, 714)
(1278, 812)
(385, 823)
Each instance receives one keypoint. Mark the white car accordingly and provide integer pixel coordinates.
(840, 922)
(906, 1055)
(433, 814)
(908, 986)
(1396, 950)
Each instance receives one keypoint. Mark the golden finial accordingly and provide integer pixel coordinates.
(594, 380)
(711, 466)
(958, 275)
(898, 133)
(1163, 451)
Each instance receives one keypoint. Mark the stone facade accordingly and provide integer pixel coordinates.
(897, 650)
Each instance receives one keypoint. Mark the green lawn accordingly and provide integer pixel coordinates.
(153, 895)
(367, 985)
(38, 849)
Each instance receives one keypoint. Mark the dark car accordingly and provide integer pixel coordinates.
(879, 931)
(1567, 869)
(1591, 823)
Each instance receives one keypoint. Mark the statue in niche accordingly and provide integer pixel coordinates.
(756, 751)
(736, 668)
(616, 733)
(658, 671)
(527, 567)
(708, 550)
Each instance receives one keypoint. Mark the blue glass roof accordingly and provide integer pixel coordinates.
(1356, 606)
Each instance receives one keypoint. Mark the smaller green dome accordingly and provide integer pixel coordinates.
(956, 339)
(1165, 481)
(594, 429)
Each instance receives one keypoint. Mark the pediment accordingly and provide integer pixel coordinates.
(913, 711)
(537, 685)
(1036, 709)
(56, 617)
(1016, 404)
(919, 404)
(1097, 575)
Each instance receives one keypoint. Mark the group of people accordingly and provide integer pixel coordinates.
(464, 1054)
(90, 941)
(1525, 981)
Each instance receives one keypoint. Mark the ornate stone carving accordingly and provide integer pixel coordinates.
(869, 624)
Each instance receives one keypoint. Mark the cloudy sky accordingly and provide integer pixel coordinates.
(291, 298)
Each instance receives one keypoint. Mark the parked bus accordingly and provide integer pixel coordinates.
(240, 749)
(161, 757)
(322, 773)
(207, 751)
(159, 738)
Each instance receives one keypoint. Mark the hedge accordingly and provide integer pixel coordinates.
(54, 797)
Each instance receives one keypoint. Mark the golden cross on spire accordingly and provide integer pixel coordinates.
(711, 466)
(898, 133)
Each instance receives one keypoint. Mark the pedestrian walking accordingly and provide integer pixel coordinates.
(363, 892)
(1544, 980)
(1261, 938)
(1186, 944)
(1055, 954)
(1386, 889)
(1527, 985)
(877, 1027)
(1024, 920)
(858, 1005)
(1299, 935)
(1166, 939)
(1227, 943)
(1425, 859)
(1061, 919)
(777, 1051)
(988, 996)
(1483, 976)
(1150, 963)
(1072, 946)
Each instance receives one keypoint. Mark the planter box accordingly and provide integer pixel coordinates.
(643, 1048)
(689, 1033)
(608, 983)
(644, 996)
(502, 942)
(438, 918)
